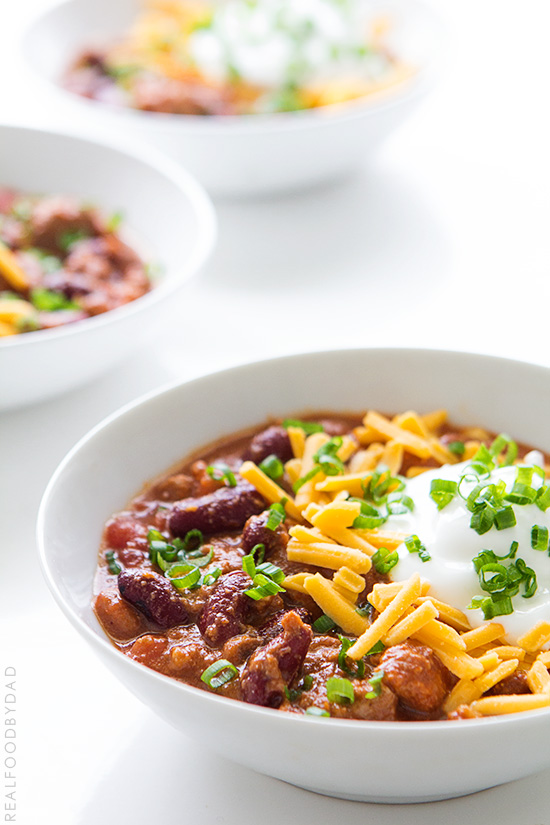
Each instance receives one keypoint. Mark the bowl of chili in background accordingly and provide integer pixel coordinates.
(242, 154)
(349, 758)
(176, 238)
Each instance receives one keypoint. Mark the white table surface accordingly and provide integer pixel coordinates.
(442, 240)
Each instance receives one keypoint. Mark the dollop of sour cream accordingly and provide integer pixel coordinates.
(273, 43)
(452, 544)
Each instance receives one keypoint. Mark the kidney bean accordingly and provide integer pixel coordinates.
(226, 509)
(273, 441)
(154, 596)
(516, 683)
(255, 532)
(416, 676)
(225, 611)
(271, 668)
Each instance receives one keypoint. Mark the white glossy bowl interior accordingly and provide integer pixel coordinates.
(169, 219)
(243, 155)
(376, 761)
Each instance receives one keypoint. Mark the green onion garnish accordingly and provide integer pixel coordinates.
(504, 518)
(543, 498)
(340, 691)
(258, 552)
(309, 427)
(192, 541)
(45, 300)
(263, 587)
(375, 682)
(272, 571)
(221, 472)
(379, 647)
(313, 711)
(249, 566)
(456, 448)
(67, 239)
(114, 221)
(384, 559)
(112, 564)
(219, 674)
(414, 545)
(359, 670)
(323, 624)
(212, 576)
(539, 537)
(443, 492)
(272, 467)
(183, 576)
(277, 514)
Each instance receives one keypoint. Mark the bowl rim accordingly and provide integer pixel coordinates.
(204, 240)
(95, 639)
(365, 106)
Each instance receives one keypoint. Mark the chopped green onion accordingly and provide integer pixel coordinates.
(456, 448)
(67, 239)
(504, 518)
(504, 441)
(112, 564)
(340, 691)
(114, 221)
(443, 492)
(313, 711)
(368, 522)
(358, 671)
(272, 467)
(192, 541)
(202, 560)
(46, 300)
(326, 457)
(221, 472)
(307, 681)
(219, 674)
(492, 606)
(263, 587)
(277, 514)
(249, 566)
(211, 577)
(323, 624)
(275, 573)
(189, 580)
(543, 498)
(258, 552)
(539, 537)
(375, 682)
(384, 559)
(365, 611)
(414, 545)
(309, 427)
(304, 479)
(379, 647)
(399, 506)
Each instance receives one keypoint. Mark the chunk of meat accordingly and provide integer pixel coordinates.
(273, 667)
(273, 627)
(174, 487)
(155, 93)
(255, 532)
(416, 676)
(225, 611)
(381, 708)
(226, 509)
(54, 219)
(272, 441)
(514, 684)
(120, 619)
(154, 596)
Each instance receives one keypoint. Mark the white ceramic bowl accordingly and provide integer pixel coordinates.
(243, 155)
(168, 218)
(375, 761)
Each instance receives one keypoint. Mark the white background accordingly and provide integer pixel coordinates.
(442, 240)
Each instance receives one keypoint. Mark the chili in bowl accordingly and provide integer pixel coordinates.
(324, 645)
(250, 97)
(86, 276)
